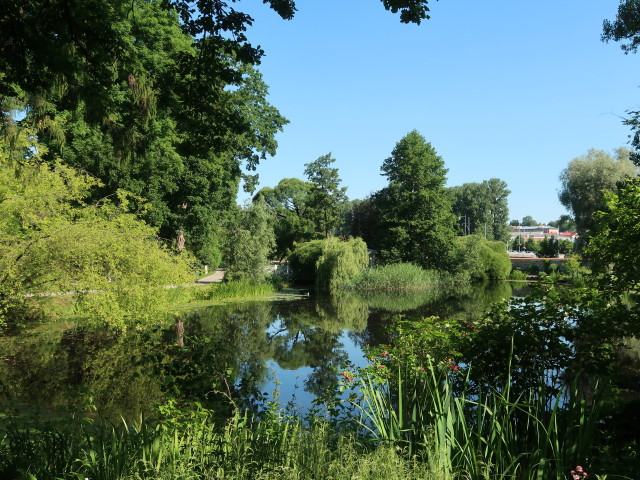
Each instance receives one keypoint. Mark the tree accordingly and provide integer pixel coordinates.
(514, 223)
(615, 239)
(528, 221)
(288, 202)
(417, 222)
(483, 208)
(548, 247)
(585, 181)
(325, 194)
(53, 239)
(154, 110)
(626, 26)
(249, 243)
(564, 224)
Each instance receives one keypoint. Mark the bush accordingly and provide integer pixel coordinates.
(480, 259)
(517, 275)
(303, 261)
(340, 262)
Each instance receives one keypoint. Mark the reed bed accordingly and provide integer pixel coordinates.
(399, 276)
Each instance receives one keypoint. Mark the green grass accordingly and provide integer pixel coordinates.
(195, 445)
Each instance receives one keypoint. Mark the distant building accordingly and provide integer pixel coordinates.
(539, 233)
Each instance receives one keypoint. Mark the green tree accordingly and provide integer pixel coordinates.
(528, 221)
(585, 181)
(480, 259)
(340, 262)
(325, 195)
(564, 224)
(53, 239)
(483, 208)
(250, 241)
(288, 202)
(417, 221)
(549, 247)
(615, 239)
(531, 245)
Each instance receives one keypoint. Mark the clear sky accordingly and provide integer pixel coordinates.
(500, 88)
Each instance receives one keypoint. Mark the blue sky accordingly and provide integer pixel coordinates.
(502, 88)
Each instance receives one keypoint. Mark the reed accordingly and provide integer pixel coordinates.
(398, 276)
(536, 435)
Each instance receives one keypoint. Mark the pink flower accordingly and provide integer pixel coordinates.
(380, 366)
(385, 354)
(454, 367)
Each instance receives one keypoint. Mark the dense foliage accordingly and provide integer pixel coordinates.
(54, 240)
(482, 208)
(479, 260)
(416, 219)
(585, 181)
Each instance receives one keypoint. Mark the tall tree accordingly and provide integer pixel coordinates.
(249, 242)
(325, 195)
(616, 238)
(587, 178)
(482, 208)
(288, 202)
(626, 29)
(415, 208)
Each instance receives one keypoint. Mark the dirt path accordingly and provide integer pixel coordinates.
(215, 277)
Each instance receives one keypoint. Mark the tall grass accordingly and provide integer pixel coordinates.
(398, 276)
(195, 446)
(492, 435)
(224, 290)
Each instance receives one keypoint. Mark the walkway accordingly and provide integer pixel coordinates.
(215, 277)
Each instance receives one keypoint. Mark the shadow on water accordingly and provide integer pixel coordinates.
(237, 350)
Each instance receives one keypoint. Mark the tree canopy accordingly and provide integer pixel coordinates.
(415, 207)
(325, 194)
(587, 178)
(482, 208)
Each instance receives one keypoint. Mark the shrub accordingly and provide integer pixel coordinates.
(340, 262)
(303, 261)
(517, 275)
(480, 259)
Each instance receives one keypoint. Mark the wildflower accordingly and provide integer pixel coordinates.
(380, 366)
(385, 354)
(453, 367)
(346, 376)
(578, 473)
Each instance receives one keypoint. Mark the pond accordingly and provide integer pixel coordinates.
(237, 350)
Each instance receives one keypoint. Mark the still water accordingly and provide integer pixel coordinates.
(240, 351)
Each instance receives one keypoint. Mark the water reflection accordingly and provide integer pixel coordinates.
(231, 351)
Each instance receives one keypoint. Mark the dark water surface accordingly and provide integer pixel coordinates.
(237, 350)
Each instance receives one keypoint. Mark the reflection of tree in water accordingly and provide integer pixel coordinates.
(58, 369)
(462, 303)
(226, 349)
(225, 353)
(309, 335)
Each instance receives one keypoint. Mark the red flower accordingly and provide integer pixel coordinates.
(385, 354)
(380, 366)
(454, 367)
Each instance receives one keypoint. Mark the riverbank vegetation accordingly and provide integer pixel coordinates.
(125, 134)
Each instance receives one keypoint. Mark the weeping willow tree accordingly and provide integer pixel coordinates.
(340, 262)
